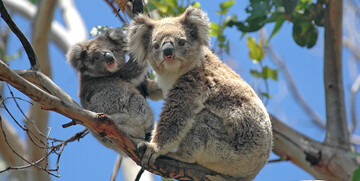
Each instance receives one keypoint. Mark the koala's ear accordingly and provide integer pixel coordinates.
(139, 37)
(197, 23)
(74, 57)
(117, 35)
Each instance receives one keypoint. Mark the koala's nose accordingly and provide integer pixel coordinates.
(109, 57)
(168, 49)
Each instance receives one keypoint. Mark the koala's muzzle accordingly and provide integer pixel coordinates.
(168, 50)
(109, 57)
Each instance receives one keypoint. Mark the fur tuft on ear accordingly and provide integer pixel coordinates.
(117, 35)
(139, 37)
(74, 57)
(197, 22)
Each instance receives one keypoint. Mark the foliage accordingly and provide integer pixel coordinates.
(305, 15)
(217, 29)
(257, 54)
(98, 30)
(170, 7)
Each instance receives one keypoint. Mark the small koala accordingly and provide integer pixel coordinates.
(108, 84)
(211, 116)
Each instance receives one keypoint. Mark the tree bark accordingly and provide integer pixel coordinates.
(337, 133)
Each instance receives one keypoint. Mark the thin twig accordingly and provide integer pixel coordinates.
(24, 41)
(116, 11)
(22, 112)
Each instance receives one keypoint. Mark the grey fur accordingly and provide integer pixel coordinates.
(108, 85)
(210, 116)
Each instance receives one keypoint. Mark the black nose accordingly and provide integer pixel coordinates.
(109, 57)
(168, 49)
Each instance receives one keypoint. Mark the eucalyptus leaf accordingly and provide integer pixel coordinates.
(256, 51)
(98, 30)
(305, 33)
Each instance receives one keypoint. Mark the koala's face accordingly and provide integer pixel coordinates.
(171, 43)
(100, 56)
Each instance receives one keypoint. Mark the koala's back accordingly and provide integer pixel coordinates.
(105, 94)
(121, 101)
(232, 132)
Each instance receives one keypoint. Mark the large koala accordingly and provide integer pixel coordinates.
(210, 116)
(108, 84)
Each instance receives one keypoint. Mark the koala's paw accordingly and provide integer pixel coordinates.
(150, 155)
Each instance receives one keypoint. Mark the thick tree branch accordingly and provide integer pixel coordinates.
(24, 41)
(322, 161)
(337, 133)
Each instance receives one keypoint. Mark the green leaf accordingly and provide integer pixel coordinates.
(304, 33)
(279, 23)
(214, 29)
(196, 5)
(269, 73)
(356, 175)
(255, 73)
(224, 7)
(256, 51)
(266, 95)
(221, 38)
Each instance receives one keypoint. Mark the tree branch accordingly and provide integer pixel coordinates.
(14, 141)
(64, 38)
(24, 41)
(322, 161)
(337, 133)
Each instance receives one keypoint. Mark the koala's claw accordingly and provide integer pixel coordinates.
(150, 154)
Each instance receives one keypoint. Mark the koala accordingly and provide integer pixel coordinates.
(108, 84)
(210, 116)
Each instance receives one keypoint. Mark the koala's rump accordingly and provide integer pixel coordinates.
(210, 146)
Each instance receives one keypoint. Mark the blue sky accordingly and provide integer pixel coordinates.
(89, 160)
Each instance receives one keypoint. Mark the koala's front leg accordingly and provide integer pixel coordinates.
(183, 101)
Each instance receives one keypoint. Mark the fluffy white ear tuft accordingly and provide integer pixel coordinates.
(74, 57)
(139, 37)
(197, 22)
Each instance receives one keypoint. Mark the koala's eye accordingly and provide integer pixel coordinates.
(182, 42)
(156, 46)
